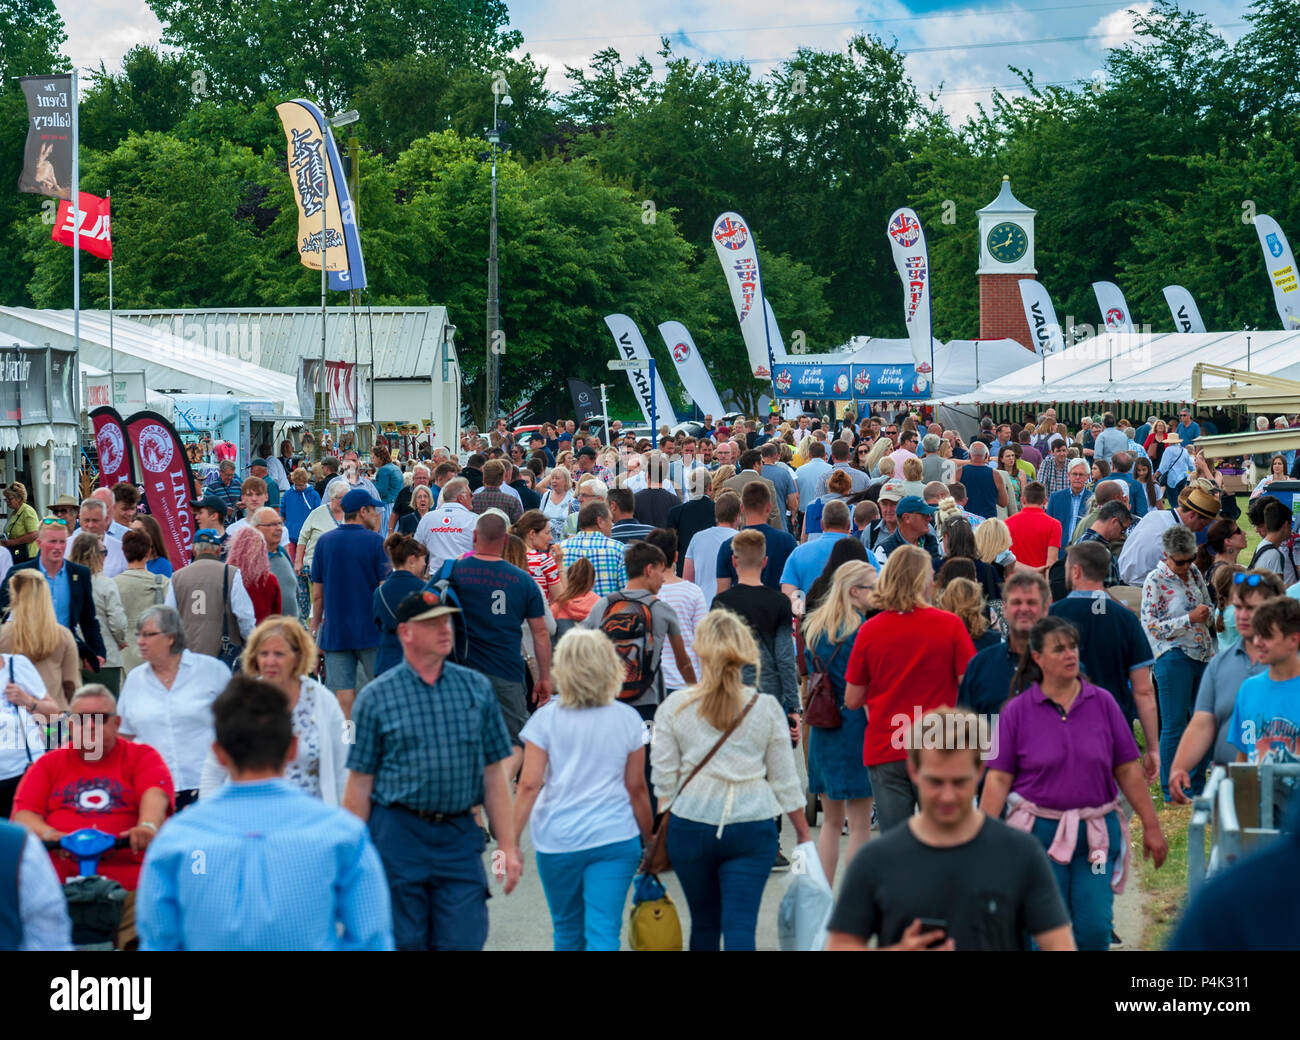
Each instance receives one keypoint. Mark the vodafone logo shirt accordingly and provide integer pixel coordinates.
(447, 532)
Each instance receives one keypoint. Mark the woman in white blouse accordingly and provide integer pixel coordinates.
(21, 741)
(722, 837)
(280, 652)
(167, 701)
(557, 495)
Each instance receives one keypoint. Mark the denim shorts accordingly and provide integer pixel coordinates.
(341, 668)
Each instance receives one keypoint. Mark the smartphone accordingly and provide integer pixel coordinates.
(932, 924)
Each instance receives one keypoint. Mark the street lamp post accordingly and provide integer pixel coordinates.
(492, 391)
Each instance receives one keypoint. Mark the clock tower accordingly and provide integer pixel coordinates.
(1006, 232)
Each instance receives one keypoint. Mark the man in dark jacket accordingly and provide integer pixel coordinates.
(691, 517)
(74, 604)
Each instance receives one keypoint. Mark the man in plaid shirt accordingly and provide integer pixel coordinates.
(224, 486)
(594, 543)
(1054, 473)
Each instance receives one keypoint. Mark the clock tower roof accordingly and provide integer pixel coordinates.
(1006, 203)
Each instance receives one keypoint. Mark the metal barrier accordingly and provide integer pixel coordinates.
(1216, 810)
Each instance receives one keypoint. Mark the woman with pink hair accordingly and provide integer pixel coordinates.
(248, 553)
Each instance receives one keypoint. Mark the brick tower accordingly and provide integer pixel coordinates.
(1006, 256)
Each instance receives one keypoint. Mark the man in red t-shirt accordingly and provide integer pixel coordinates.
(1035, 536)
(98, 780)
(907, 660)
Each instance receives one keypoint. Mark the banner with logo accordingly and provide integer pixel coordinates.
(47, 159)
(115, 461)
(630, 345)
(820, 382)
(690, 368)
(738, 254)
(1281, 270)
(912, 258)
(318, 183)
(96, 226)
(167, 480)
(1041, 316)
(347, 386)
(1187, 316)
(1115, 314)
(585, 401)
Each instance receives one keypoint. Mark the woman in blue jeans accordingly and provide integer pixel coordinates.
(1176, 613)
(583, 783)
(722, 825)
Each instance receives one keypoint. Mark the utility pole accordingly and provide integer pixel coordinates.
(492, 391)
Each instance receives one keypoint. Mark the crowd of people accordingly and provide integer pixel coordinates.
(372, 670)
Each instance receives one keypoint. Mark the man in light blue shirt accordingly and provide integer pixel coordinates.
(261, 865)
(1110, 440)
(807, 476)
(805, 565)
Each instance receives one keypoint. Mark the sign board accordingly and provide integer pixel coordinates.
(126, 395)
(627, 364)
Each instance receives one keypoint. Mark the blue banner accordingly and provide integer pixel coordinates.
(804, 382)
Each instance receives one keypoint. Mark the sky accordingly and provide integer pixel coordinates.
(964, 48)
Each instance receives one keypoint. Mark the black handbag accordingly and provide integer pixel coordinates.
(230, 651)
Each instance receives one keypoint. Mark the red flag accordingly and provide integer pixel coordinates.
(96, 230)
(168, 484)
(115, 462)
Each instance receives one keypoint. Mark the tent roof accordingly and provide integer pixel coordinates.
(1136, 367)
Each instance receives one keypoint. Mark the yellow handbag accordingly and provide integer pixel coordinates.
(653, 923)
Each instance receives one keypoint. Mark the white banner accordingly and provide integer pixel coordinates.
(1115, 314)
(627, 338)
(912, 258)
(1281, 270)
(738, 254)
(1187, 316)
(690, 368)
(1041, 316)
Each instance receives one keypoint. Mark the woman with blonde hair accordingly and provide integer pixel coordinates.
(961, 596)
(89, 551)
(835, 769)
(907, 659)
(279, 651)
(556, 489)
(993, 547)
(33, 631)
(879, 450)
(583, 784)
(723, 769)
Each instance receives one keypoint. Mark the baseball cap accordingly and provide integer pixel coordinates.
(586, 452)
(915, 504)
(423, 606)
(257, 462)
(357, 499)
(892, 493)
(206, 536)
(211, 503)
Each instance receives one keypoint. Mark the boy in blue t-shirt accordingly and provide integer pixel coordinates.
(1266, 718)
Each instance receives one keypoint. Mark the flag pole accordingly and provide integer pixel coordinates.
(76, 233)
(112, 370)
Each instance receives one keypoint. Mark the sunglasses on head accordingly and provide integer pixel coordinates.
(54, 521)
(1249, 580)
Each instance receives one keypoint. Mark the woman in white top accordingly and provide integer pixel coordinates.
(280, 652)
(557, 496)
(167, 701)
(583, 783)
(89, 551)
(1276, 471)
(20, 733)
(722, 839)
(688, 602)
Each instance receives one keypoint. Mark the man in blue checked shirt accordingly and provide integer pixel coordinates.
(430, 740)
(260, 865)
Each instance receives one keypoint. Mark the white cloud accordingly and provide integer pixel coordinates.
(1117, 28)
(104, 30)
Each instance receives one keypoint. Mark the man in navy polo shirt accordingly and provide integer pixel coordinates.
(347, 566)
(756, 501)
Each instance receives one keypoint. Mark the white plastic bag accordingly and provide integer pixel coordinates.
(806, 906)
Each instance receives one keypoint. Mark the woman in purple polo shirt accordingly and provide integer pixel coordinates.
(1062, 753)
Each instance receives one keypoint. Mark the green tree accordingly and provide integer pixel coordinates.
(153, 92)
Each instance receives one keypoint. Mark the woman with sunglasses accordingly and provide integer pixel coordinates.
(22, 526)
(1176, 610)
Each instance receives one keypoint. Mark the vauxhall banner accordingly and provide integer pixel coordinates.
(47, 159)
(690, 368)
(111, 445)
(1041, 316)
(738, 254)
(168, 482)
(1187, 316)
(317, 175)
(1114, 309)
(1281, 270)
(627, 338)
(912, 258)
(96, 226)
(584, 400)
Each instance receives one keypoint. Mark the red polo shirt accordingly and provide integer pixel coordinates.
(1032, 531)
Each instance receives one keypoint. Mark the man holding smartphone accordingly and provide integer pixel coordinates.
(953, 878)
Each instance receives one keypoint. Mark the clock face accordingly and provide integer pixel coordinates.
(1007, 242)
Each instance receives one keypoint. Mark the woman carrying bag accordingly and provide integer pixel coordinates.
(21, 737)
(723, 769)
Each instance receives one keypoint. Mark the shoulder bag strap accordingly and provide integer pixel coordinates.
(721, 740)
(157, 590)
(225, 599)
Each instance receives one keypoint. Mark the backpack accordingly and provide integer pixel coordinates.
(443, 585)
(629, 625)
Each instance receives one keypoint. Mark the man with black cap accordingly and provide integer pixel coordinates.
(1143, 549)
(417, 803)
(586, 457)
(913, 529)
(259, 468)
(347, 565)
(210, 515)
(536, 442)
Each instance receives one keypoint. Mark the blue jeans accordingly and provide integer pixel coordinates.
(586, 891)
(1085, 887)
(1178, 677)
(436, 879)
(723, 878)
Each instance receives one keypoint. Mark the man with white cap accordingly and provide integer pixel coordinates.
(1143, 548)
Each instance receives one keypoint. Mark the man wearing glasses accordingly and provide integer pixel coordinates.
(102, 781)
(270, 525)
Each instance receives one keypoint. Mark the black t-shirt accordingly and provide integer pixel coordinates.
(1111, 644)
(651, 506)
(994, 891)
(763, 608)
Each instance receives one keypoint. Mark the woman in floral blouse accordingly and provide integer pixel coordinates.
(1176, 609)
